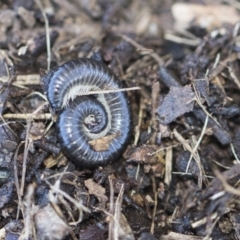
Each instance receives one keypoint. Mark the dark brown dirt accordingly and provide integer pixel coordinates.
(179, 176)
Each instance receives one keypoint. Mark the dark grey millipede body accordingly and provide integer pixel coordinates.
(84, 118)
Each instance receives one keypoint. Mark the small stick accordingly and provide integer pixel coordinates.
(168, 166)
(155, 204)
(180, 138)
(47, 33)
(111, 91)
(234, 152)
(138, 47)
(198, 142)
(173, 38)
(140, 115)
(25, 116)
(27, 146)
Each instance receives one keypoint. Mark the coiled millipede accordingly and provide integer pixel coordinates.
(85, 118)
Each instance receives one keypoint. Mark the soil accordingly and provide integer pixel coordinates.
(178, 177)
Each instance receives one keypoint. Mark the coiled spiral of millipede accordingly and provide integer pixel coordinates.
(82, 118)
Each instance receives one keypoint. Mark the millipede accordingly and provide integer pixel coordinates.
(82, 117)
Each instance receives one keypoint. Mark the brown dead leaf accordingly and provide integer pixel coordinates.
(97, 190)
(148, 200)
(125, 231)
(157, 169)
(37, 130)
(164, 130)
(205, 16)
(153, 161)
(102, 144)
(177, 102)
(137, 198)
(6, 19)
(49, 224)
(53, 161)
(50, 162)
(27, 17)
(142, 154)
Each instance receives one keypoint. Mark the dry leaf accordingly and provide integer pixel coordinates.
(27, 17)
(49, 224)
(102, 144)
(142, 154)
(177, 102)
(205, 16)
(37, 130)
(97, 190)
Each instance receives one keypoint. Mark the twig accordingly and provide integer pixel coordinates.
(236, 28)
(177, 39)
(47, 33)
(39, 95)
(28, 220)
(162, 149)
(174, 236)
(137, 129)
(114, 229)
(234, 77)
(20, 204)
(31, 79)
(179, 137)
(26, 116)
(219, 164)
(155, 205)
(7, 124)
(217, 70)
(138, 47)
(198, 142)
(117, 213)
(197, 98)
(168, 166)
(55, 188)
(204, 220)
(190, 174)
(226, 186)
(211, 229)
(26, 150)
(234, 152)
(5, 80)
(216, 61)
(111, 208)
(110, 91)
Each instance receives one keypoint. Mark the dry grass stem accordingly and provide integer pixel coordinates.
(204, 220)
(29, 228)
(226, 186)
(186, 145)
(210, 229)
(27, 145)
(56, 190)
(155, 204)
(139, 46)
(179, 236)
(47, 33)
(198, 142)
(173, 38)
(26, 116)
(110, 91)
(20, 204)
(168, 166)
(137, 128)
(234, 152)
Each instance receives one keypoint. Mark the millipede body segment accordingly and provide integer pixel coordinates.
(82, 117)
